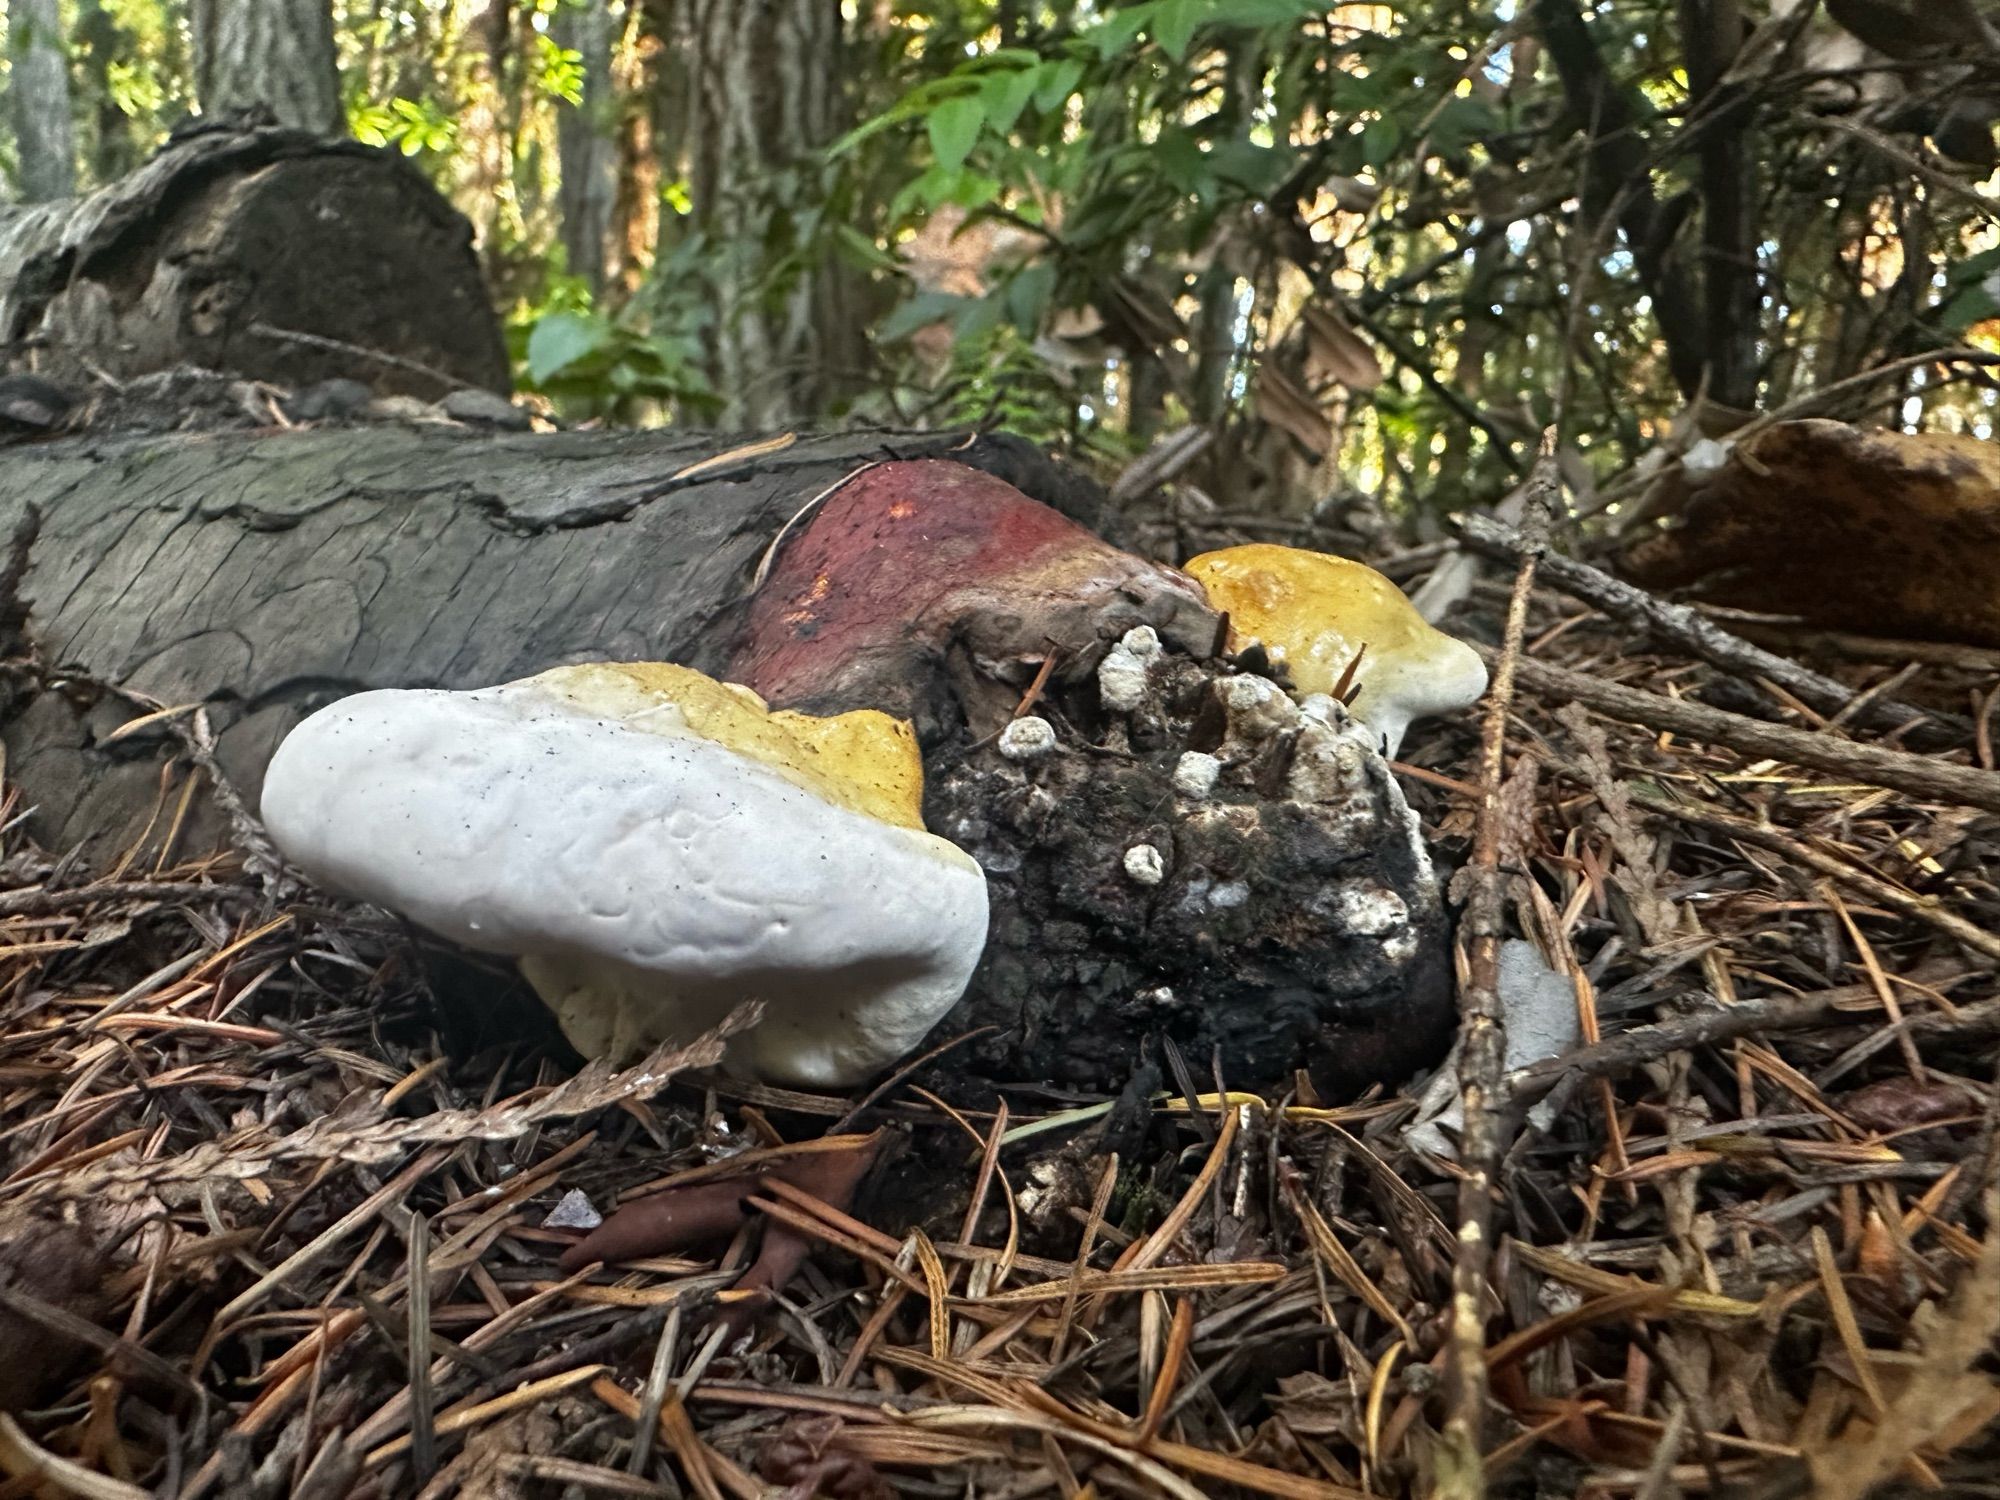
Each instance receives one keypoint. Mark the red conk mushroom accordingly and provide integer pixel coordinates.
(909, 564)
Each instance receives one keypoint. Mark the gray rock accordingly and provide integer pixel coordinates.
(328, 399)
(482, 408)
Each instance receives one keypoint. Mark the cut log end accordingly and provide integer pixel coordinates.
(269, 253)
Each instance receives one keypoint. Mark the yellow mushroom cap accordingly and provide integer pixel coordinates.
(1321, 611)
(863, 760)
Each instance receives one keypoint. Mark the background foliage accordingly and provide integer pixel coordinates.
(1368, 247)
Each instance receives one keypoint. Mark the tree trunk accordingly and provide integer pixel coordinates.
(114, 150)
(587, 143)
(1260, 922)
(766, 82)
(39, 88)
(198, 258)
(277, 54)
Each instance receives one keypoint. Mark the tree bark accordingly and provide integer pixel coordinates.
(587, 143)
(1712, 33)
(200, 258)
(277, 54)
(766, 94)
(39, 89)
(1620, 182)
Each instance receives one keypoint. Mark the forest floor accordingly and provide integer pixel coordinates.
(1740, 1244)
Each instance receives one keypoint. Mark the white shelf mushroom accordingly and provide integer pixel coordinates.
(1330, 617)
(654, 847)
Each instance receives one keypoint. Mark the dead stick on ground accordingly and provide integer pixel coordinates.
(1920, 776)
(1701, 637)
(1482, 1035)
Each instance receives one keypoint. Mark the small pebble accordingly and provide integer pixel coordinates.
(1144, 865)
(573, 1212)
(1195, 773)
(486, 409)
(1029, 737)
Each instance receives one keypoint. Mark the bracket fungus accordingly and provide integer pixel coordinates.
(654, 847)
(1340, 624)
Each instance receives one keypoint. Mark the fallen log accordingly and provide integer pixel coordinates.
(274, 254)
(193, 596)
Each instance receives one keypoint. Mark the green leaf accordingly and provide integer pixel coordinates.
(1461, 123)
(1121, 28)
(862, 251)
(1182, 161)
(1379, 140)
(971, 190)
(919, 312)
(1254, 168)
(979, 316)
(1028, 297)
(1059, 78)
(1174, 25)
(954, 126)
(1262, 12)
(1973, 304)
(918, 102)
(560, 340)
(1006, 94)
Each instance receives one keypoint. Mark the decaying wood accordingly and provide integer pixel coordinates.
(190, 598)
(196, 259)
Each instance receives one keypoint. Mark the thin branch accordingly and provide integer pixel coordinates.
(1482, 1035)
(1925, 777)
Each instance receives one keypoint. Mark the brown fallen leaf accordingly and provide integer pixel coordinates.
(1287, 406)
(680, 1217)
(1335, 350)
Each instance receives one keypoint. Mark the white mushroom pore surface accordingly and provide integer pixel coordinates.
(648, 878)
(1339, 625)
